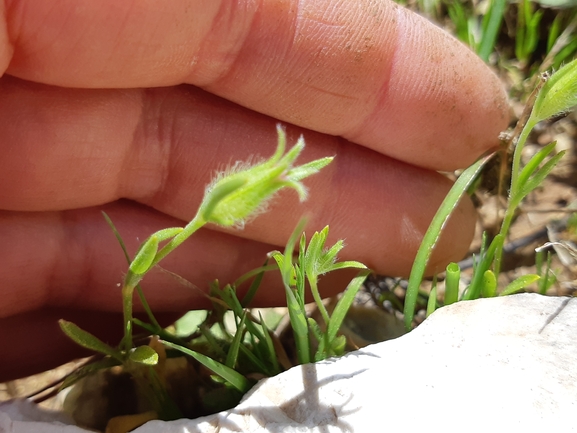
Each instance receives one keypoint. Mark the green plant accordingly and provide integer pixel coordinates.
(490, 26)
(312, 262)
(251, 347)
(527, 36)
(555, 94)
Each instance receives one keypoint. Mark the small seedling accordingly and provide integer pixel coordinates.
(233, 197)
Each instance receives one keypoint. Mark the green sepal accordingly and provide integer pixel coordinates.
(558, 94)
(432, 301)
(313, 167)
(218, 193)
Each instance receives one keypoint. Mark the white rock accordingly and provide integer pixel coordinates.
(502, 364)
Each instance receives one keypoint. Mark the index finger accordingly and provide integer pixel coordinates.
(369, 71)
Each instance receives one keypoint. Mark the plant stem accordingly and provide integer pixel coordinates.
(197, 222)
(515, 192)
(317, 297)
(127, 293)
(128, 289)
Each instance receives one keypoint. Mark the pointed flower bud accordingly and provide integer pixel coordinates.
(558, 94)
(242, 191)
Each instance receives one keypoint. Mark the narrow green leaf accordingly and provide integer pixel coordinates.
(486, 259)
(344, 304)
(272, 357)
(519, 284)
(432, 301)
(313, 252)
(117, 236)
(254, 286)
(315, 329)
(287, 268)
(236, 379)
(168, 233)
(329, 257)
(88, 370)
(432, 235)
(546, 274)
(554, 31)
(534, 163)
(491, 25)
(213, 344)
(299, 269)
(232, 355)
(141, 263)
(298, 321)
(257, 362)
(538, 178)
(349, 264)
(87, 340)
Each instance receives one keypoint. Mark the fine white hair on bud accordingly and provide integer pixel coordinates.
(242, 191)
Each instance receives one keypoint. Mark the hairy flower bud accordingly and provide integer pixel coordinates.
(559, 93)
(242, 191)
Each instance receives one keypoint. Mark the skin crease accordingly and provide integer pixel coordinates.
(130, 106)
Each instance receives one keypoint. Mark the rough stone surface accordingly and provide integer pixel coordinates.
(502, 364)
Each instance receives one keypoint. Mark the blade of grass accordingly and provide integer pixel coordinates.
(432, 302)
(234, 378)
(343, 305)
(491, 26)
(434, 232)
(519, 284)
(232, 355)
(486, 258)
(258, 273)
(272, 357)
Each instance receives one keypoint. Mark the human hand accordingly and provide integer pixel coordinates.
(129, 107)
